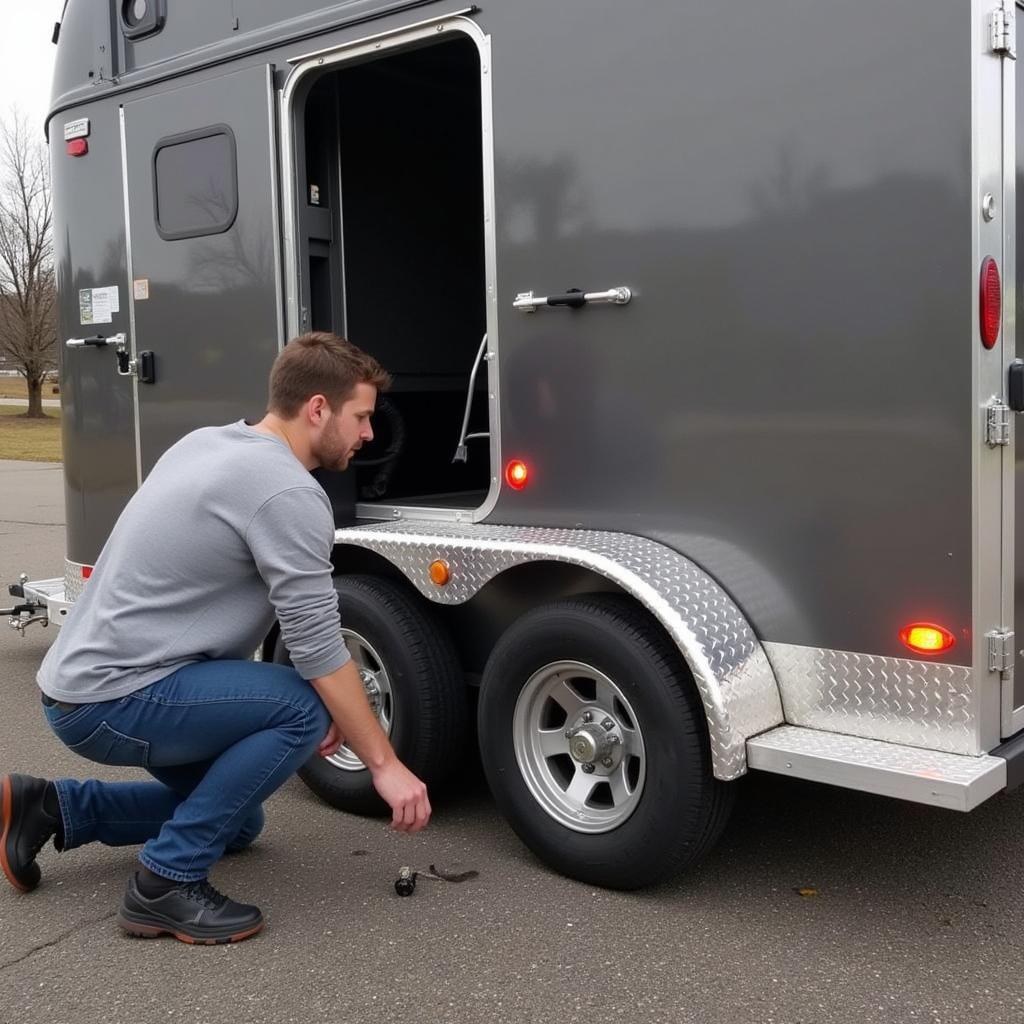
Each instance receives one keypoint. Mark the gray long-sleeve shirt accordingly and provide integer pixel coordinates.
(226, 533)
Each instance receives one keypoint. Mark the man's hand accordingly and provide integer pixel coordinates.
(345, 697)
(331, 742)
(405, 794)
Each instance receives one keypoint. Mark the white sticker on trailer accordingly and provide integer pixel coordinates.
(76, 129)
(97, 305)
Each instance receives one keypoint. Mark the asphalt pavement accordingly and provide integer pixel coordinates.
(909, 913)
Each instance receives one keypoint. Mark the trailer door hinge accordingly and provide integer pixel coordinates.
(1000, 650)
(997, 423)
(1004, 29)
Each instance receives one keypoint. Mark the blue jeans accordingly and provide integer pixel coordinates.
(218, 736)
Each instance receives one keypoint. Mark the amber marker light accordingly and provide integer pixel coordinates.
(516, 474)
(926, 638)
(440, 574)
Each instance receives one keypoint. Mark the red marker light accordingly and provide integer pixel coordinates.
(86, 571)
(927, 638)
(991, 302)
(78, 147)
(516, 474)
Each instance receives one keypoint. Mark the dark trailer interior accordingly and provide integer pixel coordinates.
(391, 236)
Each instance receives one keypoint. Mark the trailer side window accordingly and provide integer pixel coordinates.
(195, 183)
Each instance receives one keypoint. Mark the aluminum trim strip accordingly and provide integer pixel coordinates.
(275, 205)
(1012, 717)
(988, 372)
(888, 769)
(130, 267)
(917, 703)
(729, 666)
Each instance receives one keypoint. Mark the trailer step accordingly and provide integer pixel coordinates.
(956, 781)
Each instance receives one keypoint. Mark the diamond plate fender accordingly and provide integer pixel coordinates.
(729, 666)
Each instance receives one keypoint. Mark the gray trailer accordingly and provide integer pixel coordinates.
(701, 453)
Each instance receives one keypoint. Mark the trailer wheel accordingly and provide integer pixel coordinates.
(594, 743)
(413, 681)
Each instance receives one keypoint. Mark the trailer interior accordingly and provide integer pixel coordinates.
(392, 257)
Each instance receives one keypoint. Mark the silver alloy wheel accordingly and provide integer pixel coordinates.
(378, 692)
(579, 747)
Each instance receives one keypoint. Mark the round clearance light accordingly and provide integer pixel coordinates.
(516, 474)
(134, 11)
(440, 573)
(926, 638)
(991, 302)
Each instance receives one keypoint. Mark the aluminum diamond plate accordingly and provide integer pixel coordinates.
(729, 666)
(73, 582)
(916, 703)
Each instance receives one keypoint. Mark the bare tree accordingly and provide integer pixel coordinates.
(28, 333)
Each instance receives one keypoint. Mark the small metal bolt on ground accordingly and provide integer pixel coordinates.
(405, 884)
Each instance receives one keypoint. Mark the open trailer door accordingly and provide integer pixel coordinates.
(204, 253)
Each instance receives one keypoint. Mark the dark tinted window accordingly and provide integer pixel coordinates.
(195, 183)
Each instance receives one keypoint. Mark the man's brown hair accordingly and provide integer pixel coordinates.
(320, 364)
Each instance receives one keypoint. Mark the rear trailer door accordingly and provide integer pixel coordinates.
(205, 254)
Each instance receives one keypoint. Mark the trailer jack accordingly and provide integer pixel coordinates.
(28, 611)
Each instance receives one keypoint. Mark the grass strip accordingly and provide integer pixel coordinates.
(29, 440)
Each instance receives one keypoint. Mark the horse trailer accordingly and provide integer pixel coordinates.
(700, 457)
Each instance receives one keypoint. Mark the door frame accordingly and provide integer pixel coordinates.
(375, 46)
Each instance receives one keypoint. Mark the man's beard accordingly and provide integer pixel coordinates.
(334, 458)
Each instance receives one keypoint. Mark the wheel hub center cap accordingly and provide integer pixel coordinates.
(594, 740)
(587, 743)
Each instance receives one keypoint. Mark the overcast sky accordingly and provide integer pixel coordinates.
(26, 58)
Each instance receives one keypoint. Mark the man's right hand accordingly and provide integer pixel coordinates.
(405, 794)
(345, 697)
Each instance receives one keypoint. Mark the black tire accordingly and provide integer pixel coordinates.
(679, 810)
(428, 691)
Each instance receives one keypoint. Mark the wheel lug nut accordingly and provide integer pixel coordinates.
(587, 716)
(614, 740)
(568, 734)
(588, 768)
(607, 762)
(607, 725)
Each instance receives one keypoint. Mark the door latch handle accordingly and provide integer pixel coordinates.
(144, 367)
(98, 340)
(574, 298)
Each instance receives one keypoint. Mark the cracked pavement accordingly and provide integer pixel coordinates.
(914, 915)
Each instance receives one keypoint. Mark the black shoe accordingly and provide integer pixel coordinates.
(27, 824)
(191, 912)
